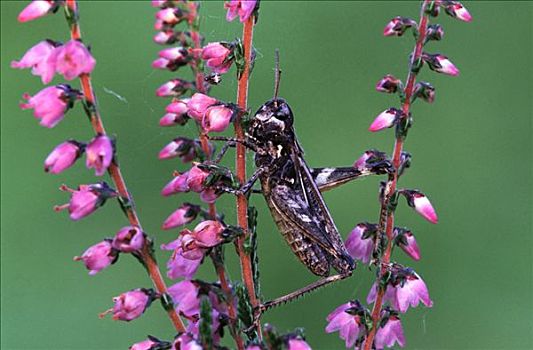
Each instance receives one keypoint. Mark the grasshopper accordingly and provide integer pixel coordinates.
(292, 191)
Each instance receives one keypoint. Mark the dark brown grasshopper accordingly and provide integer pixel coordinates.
(292, 191)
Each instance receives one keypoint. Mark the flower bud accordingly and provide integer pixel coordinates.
(406, 240)
(196, 178)
(128, 239)
(86, 199)
(385, 119)
(425, 91)
(217, 57)
(421, 204)
(174, 87)
(73, 59)
(241, 8)
(434, 32)
(100, 152)
(152, 343)
(171, 58)
(170, 16)
(360, 242)
(36, 9)
(440, 63)
(171, 119)
(198, 105)
(63, 157)
(36, 58)
(298, 344)
(132, 304)
(457, 10)
(217, 118)
(182, 216)
(388, 84)
(208, 234)
(50, 104)
(398, 25)
(164, 37)
(177, 185)
(98, 257)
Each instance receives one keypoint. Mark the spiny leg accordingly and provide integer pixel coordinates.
(246, 187)
(247, 143)
(223, 151)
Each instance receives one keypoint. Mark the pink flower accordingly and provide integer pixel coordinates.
(182, 216)
(397, 26)
(345, 320)
(193, 327)
(158, 3)
(198, 105)
(143, 345)
(98, 257)
(196, 178)
(208, 234)
(209, 195)
(440, 64)
(128, 239)
(50, 104)
(216, 55)
(407, 290)
(406, 240)
(86, 199)
(169, 16)
(99, 153)
(62, 157)
(359, 245)
(161, 63)
(36, 58)
(174, 87)
(185, 297)
(164, 37)
(457, 10)
(421, 204)
(360, 163)
(36, 9)
(176, 185)
(174, 53)
(298, 344)
(385, 119)
(178, 107)
(389, 334)
(179, 147)
(186, 342)
(388, 84)
(132, 304)
(72, 60)
(171, 119)
(178, 265)
(241, 8)
(217, 118)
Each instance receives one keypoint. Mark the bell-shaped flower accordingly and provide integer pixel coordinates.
(198, 105)
(50, 104)
(388, 84)
(217, 57)
(72, 60)
(63, 157)
(129, 239)
(177, 185)
(132, 304)
(99, 154)
(360, 242)
(181, 216)
(98, 257)
(440, 64)
(217, 118)
(36, 58)
(241, 8)
(346, 320)
(86, 199)
(389, 333)
(36, 9)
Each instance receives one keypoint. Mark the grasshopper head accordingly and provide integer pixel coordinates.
(272, 121)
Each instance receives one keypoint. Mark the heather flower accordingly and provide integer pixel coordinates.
(209, 195)
(128, 239)
(132, 304)
(63, 157)
(388, 84)
(50, 104)
(36, 58)
(86, 199)
(217, 56)
(390, 333)
(158, 3)
(440, 63)
(170, 16)
(193, 327)
(434, 32)
(178, 265)
(198, 105)
(147, 344)
(171, 58)
(185, 297)
(179, 147)
(404, 291)
(360, 163)
(174, 87)
(196, 178)
(371, 159)
(176, 185)
(457, 10)
(98, 257)
(164, 37)
(72, 60)
(421, 204)
(186, 342)
(178, 107)
(360, 242)
(407, 242)
(425, 91)
(398, 25)
(171, 119)
(208, 233)
(298, 344)
(99, 153)
(182, 216)
(241, 8)
(385, 119)
(36, 9)
(346, 320)
(217, 118)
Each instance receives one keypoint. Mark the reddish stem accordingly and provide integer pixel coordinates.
(240, 164)
(386, 215)
(118, 179)
(219, 268)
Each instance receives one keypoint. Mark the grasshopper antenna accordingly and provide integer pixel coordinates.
(277, 77)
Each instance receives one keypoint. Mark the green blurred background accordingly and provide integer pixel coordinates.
(471, 148)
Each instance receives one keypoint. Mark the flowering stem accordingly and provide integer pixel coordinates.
(242, 202)
(219, 267)
(386, 213)
(115, 173)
